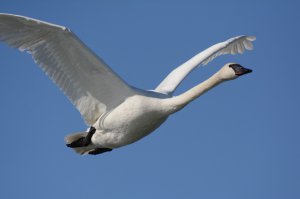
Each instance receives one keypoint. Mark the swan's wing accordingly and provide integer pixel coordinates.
(87, 81)
(231, 46)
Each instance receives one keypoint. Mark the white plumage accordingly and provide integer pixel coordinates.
(68, 62)
(231, 46)
(120, 113)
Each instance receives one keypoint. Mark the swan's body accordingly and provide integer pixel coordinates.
(119, 113)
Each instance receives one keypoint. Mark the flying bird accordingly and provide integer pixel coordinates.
(117, 113)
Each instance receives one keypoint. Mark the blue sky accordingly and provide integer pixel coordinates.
(240, 140)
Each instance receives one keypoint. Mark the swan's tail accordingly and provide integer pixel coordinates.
(76, 136)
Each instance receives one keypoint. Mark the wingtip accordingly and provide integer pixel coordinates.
(251, 38)
(33, 20)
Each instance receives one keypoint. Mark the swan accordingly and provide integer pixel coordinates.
(117, 114)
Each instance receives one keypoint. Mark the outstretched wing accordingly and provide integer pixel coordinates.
(231, 46)
(87, 81)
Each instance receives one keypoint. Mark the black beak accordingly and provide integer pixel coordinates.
(240, 70)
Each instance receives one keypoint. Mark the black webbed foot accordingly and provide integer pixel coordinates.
(99, 151)
(83, 141)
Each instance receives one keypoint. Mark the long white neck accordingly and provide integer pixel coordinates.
(178, 102)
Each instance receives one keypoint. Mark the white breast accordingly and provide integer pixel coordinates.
(132, 120)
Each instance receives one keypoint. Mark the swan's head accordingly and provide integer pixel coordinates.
(232, 70)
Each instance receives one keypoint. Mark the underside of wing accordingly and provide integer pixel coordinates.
(231, 46)
(87, 81)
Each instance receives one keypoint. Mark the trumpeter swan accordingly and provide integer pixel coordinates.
(117, 113)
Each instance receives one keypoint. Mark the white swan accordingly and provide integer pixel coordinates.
(117, 113)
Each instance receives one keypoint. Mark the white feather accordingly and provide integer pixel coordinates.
(231, 46)
(87, 81)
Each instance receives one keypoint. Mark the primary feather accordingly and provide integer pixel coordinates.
(87, 81)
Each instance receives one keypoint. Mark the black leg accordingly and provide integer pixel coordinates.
(99, 151)
(88, 138)
(83, 141)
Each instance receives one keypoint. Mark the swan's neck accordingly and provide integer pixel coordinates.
(178, 102)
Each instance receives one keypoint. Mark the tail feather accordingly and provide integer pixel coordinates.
(75, 136)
